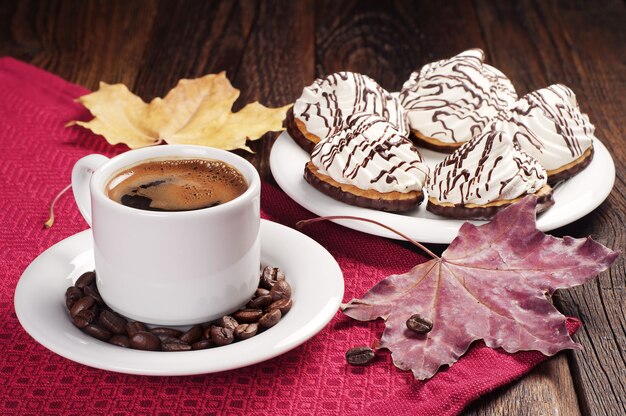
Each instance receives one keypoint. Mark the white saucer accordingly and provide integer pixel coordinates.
(574, 198)
(314, 275)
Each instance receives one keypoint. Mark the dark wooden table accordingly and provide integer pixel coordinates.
(272, 49)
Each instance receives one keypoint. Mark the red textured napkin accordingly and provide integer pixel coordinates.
(37, 154)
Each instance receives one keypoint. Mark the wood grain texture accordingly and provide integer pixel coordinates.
(85, 42)
(272, 49)
(277, 62)
(547, 390)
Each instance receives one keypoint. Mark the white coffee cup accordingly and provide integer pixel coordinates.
(171, 268)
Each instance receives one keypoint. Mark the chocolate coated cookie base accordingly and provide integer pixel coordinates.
(571, 169)
(296, 134)
(486, 212)
(394, 201)
(433, 144)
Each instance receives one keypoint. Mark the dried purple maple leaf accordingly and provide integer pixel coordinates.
(494, 283)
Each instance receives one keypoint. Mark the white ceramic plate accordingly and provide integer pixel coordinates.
(573, 199)
(314, 275)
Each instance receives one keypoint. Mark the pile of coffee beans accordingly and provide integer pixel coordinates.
(88, 311)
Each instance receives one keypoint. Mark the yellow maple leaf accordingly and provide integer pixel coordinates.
(196, 111)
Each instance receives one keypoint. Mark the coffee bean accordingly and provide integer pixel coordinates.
(221, 336)
(86, 302)
(120, 341)
(261, 292)
(260, 302)
(418, 324)
(203, 344)
(85, 279)
(146, 341)
(112, 321)
(175, 345)
(97, 331)
(192, 335)
(360, 355)
(72, 294)
(248, 316)
(269, 276)
(206, 332)
(167, 338)
(164, 331)
(227, 321)
(284, 305)
(270, 319)
(134, 327)
(90, 291)
(84, 318)
(280, 290)
(245, 331)
(227, 336)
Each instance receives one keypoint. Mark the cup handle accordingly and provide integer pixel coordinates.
(81, 176)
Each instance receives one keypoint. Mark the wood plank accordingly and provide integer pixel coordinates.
(599, 367)
(277, 63)
(547, 390)
(190, 39)
(83, 42)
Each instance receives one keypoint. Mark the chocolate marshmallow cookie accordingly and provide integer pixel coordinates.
(324, 106)
(448, 102)
(368, 164)
(485, 175)
(548, 125)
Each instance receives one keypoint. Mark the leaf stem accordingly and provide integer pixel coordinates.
(50, 221)
(300, 224)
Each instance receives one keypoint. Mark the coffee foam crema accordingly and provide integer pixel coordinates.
(176, 184)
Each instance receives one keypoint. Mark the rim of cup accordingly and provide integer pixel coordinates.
(133, 157)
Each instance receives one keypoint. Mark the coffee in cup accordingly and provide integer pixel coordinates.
(176, 184)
